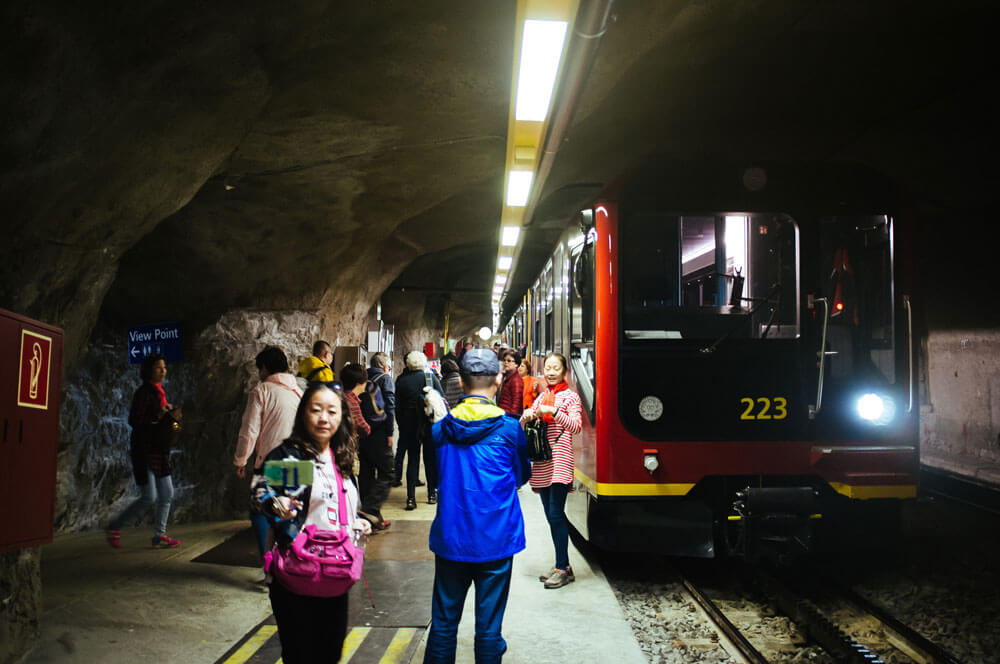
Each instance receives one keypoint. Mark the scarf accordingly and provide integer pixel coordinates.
(162, 395)
(549, 398)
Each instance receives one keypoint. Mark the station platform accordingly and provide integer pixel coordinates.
(203, 602)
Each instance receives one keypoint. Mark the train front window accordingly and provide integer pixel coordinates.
(707, 275)
(856, 263)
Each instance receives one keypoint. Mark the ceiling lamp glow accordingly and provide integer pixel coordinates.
(541, 50)
(501, 279)
(504, 262)
(518, 188)
(497, 290)
(509, 235)
(485, 333)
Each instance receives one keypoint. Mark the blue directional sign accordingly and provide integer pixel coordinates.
(162, 338)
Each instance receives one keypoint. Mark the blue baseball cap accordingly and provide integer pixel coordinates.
(479, 362)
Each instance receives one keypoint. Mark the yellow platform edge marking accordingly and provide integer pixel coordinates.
(252, 645)
(397, 648)
(352, 642)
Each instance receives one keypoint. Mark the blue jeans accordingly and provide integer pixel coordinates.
(260, 526)
(451, 583)
(554, 505)
(159, 490)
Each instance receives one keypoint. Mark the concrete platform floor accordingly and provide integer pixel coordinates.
(140, 604)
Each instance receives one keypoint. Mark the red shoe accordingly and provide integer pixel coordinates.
(114, 538)
(164, 542)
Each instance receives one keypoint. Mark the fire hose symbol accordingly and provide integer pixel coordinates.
(36, 370)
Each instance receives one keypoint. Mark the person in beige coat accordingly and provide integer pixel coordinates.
(267, 421)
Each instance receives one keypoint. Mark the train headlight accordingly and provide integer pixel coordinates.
(875, 408)
(650, 460)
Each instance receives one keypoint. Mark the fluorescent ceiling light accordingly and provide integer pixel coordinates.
(504, 262)
(541, 50)
(518, 188)
(509, 235)
(501, 279)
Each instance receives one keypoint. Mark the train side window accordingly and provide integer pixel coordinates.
(581, 294)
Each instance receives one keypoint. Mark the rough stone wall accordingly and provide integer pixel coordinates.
(960, 424)
(20, 602)
(94, 473)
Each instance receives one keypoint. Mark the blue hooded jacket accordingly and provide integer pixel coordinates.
(482, 459)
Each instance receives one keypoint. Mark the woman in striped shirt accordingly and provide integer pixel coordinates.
(560, 408)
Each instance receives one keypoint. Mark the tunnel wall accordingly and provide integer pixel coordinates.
(211, 384)
(960, 416)
(20, 602)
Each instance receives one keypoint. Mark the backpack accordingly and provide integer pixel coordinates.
(372, 403)
(311, 378)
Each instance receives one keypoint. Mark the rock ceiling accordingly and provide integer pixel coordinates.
(175, 160)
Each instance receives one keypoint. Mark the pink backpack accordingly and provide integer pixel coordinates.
(319, 563)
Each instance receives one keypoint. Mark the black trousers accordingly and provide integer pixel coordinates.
(311, 629)
(420, 439)
(377, 473)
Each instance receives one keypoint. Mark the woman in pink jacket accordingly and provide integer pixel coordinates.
(267, 421)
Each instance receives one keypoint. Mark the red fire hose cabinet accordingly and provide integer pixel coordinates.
(30, 383)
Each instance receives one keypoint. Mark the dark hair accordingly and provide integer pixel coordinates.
(273, 359)
(148, 362)
(561, 358)
(511, 353)
(320, 346)
(343, 444)
(351, 375)
(449, 366)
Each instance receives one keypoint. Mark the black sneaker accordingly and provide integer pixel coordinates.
(419, 483)
(411, 504)
(432, 497)
(396, 483)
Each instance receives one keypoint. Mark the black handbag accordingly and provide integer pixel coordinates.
(167, 431)
(537, 433)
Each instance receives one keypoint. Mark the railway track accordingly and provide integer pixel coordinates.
(825, 615)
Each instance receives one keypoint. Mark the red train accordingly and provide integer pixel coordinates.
(742, 341)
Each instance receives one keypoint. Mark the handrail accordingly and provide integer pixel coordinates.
(909, 351)
(814, 410)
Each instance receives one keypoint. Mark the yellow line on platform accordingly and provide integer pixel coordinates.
(252, 645)
(397, 648)
(353, 642)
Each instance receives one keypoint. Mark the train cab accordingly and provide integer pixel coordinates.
(741, 339)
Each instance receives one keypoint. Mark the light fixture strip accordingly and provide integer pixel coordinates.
(541, 50)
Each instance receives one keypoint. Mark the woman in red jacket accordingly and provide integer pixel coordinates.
(511, 397)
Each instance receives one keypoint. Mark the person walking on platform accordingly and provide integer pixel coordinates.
(414, 426)
(380, 376)
(560, 408)
(529, 382)
(374, 454)
(267, 420)
(312, 628)
(482, 458)
(316, 368)
(511, 398)
(150, 454)
(451, 382)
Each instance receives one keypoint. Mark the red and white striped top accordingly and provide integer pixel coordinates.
(560, 435)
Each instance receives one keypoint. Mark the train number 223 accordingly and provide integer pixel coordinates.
(763, 408)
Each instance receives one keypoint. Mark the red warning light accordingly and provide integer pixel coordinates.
(762, 229)
(839, 306)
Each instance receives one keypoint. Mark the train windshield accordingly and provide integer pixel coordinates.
(856, 277)
(709, 275)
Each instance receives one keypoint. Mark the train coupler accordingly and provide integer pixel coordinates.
(773, 524)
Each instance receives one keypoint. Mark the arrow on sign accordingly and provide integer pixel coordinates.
(134, 352)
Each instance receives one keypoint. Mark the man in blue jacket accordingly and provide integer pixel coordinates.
(482, 459)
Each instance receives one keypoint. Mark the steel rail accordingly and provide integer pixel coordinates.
(927, 650)
(811, 620)
(726, 629)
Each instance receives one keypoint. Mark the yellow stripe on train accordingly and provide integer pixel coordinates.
(857, 492)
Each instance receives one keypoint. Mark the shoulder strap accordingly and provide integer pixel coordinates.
(316, 371)
(341, 499)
